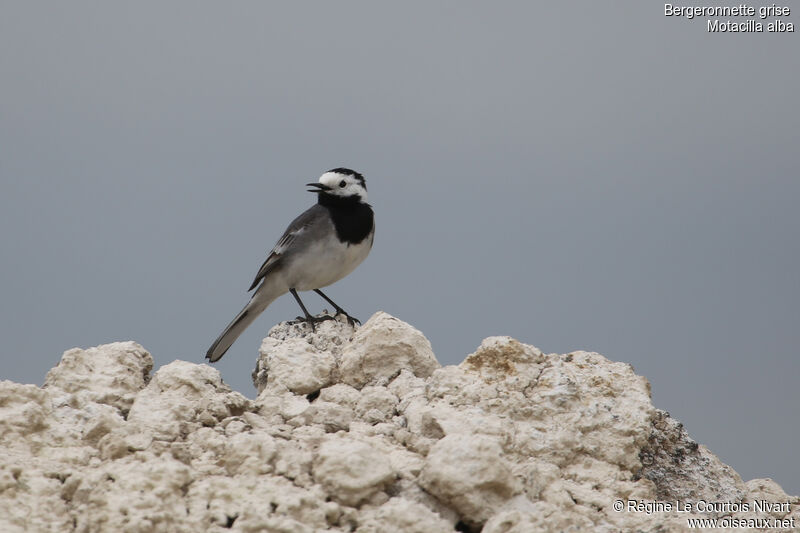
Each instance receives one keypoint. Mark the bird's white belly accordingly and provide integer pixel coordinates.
(325, 263)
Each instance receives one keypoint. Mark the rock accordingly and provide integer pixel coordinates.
(498, 358)
(341, 394)
(24, 411)
(248, 454)
(183, 396)
(112, 374)
(684, 470)
(294, 357)
(399, 514)
(331, 416)
(470, 475)
(382, 348)
(351, 471)
(294, 365)
(355, 429)
(541, 517)
(376, 404)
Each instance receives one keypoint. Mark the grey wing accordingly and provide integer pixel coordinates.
(298, 226)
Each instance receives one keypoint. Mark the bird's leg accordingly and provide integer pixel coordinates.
(339, 310)
(308, 318)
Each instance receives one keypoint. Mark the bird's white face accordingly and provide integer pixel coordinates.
(342, 184)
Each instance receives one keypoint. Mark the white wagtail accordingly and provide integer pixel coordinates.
(319, 248)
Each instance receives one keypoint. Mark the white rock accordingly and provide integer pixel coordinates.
(469, 474)
(541, 518)
(291, 406)
(498, 358)
(294, 365)
(352, 432)
(382, 348)
(407, 384)
(112, 373)
(399, 514)
(249, 453)
(297, 358)
(407, 464)
(342, 394)
(255, 503)
(351, 471)
(103, 500)
(332, 416)
(293, 462)
(182, 397)
(376, 404)
(24, 411)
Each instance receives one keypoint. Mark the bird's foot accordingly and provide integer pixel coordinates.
(312, 320)
(350, 319)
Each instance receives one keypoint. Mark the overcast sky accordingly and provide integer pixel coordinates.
(587, 175)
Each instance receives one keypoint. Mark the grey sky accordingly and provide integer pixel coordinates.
(580, 176)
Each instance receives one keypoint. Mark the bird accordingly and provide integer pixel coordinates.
(320, 247)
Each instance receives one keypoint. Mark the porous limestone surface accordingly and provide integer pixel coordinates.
(356, 429)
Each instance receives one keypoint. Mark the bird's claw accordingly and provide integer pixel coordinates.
(350, 319)
(312, 320)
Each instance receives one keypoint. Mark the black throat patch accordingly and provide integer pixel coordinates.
(352, 218)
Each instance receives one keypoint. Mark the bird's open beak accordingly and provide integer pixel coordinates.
(319, 187)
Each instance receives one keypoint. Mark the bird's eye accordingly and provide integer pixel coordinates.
(342, 184)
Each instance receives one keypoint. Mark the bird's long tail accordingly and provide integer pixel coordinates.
(264, 295)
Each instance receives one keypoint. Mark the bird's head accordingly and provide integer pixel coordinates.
(341, 183)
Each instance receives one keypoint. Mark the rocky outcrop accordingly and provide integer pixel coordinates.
(357, 430)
